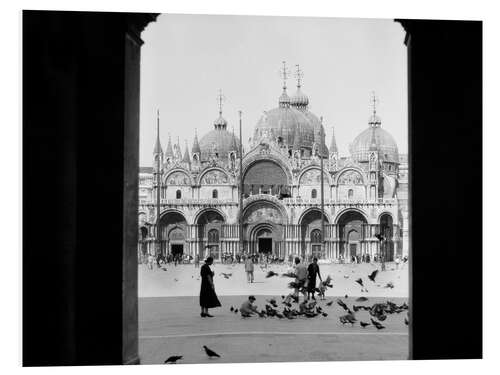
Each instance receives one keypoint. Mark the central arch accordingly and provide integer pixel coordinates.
(173, 228)
(265, 177)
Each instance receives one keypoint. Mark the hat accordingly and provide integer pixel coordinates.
(251, 297)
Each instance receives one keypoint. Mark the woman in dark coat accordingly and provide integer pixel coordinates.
(208, 298)
(312, 271)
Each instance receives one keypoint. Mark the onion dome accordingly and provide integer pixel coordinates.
(299, 100)
(374, 139)
(218, 142)
(284, 99)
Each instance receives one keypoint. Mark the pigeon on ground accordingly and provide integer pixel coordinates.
(226, 275)
(349, 318)
(176, 280)
(324, 314)
(342, 304)
(236, 311)
(329, 303)
(406, 321)
(164, 269)
(271, 274)
(173, 359)
(346, 296)
(373, 275)
(231, 309)
(364, 324)
(361, 299)
(210, 352)
(377, 324)
(389, 285)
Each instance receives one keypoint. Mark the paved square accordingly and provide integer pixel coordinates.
(170, 324)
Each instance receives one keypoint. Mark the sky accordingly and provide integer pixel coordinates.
(187, 59)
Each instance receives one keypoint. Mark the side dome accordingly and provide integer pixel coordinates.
(376, 137)
(218, 141)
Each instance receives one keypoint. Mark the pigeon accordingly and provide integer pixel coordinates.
(377, 324)
(231, 309)
(236, 311)
(346, 296)
(373, 275)
(327, 282)
(342, 304)
(210, 353)
(164, 269)
(272, 301)
(360, 282)
(349, 318)
(324, 314)
(176, 280)
(361, 299)
(346, 276)
(226, 275)
(364, 324)
(271, 274)
(406, 321)
(389, 285)
(329, 303)
(173, 359)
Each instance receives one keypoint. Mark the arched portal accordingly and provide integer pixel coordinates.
(351, 234)
(173, 228)
(310, 226)
(386, 230)
(209, 225)
(265, 177)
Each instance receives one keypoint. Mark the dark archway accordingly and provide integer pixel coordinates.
(173, 228)
(209, 226)
(311, 222)
(387, 231)
(351, 233)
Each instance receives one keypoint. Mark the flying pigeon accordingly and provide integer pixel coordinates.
(373, 275)
(210, 353)
(377, 324)
(360, 282)
(173, 359)
(271, 274)
(363, 324)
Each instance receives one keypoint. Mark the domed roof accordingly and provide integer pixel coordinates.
(282, 122)
(220, 121)
(217, 140)
(374, 137)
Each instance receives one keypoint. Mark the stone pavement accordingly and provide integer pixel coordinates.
(170, 324)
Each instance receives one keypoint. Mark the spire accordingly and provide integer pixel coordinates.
(234, 145)
(157, 148)
(284, 99)
(196, 145)
(374, 120)
(220, 123)
(296, 138)
(169, 152)
(323, 148)
(299, 100)
(186, 158)
(333, 143)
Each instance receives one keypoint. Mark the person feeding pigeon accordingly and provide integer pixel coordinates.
(247, 308)
(301, 278)
(249, 269)
(312, 271)
(208, 298)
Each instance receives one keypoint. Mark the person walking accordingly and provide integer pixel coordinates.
(208, 297)
(249, 269)
(300, 278)
(312, 271)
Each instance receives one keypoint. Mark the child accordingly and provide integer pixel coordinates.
(247, 308)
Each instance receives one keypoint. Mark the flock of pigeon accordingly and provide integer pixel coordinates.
(292, 309)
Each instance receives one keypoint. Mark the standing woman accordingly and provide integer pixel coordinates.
(208, 298)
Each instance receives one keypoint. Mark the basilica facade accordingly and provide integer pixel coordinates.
(365, 193)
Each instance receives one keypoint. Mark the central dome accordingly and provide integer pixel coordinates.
(283, 122)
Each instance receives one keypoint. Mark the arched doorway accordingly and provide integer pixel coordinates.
(310, 229)
(264, 239)
(351, 234)
(387, 231)
(209, 224)
(173, 226)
